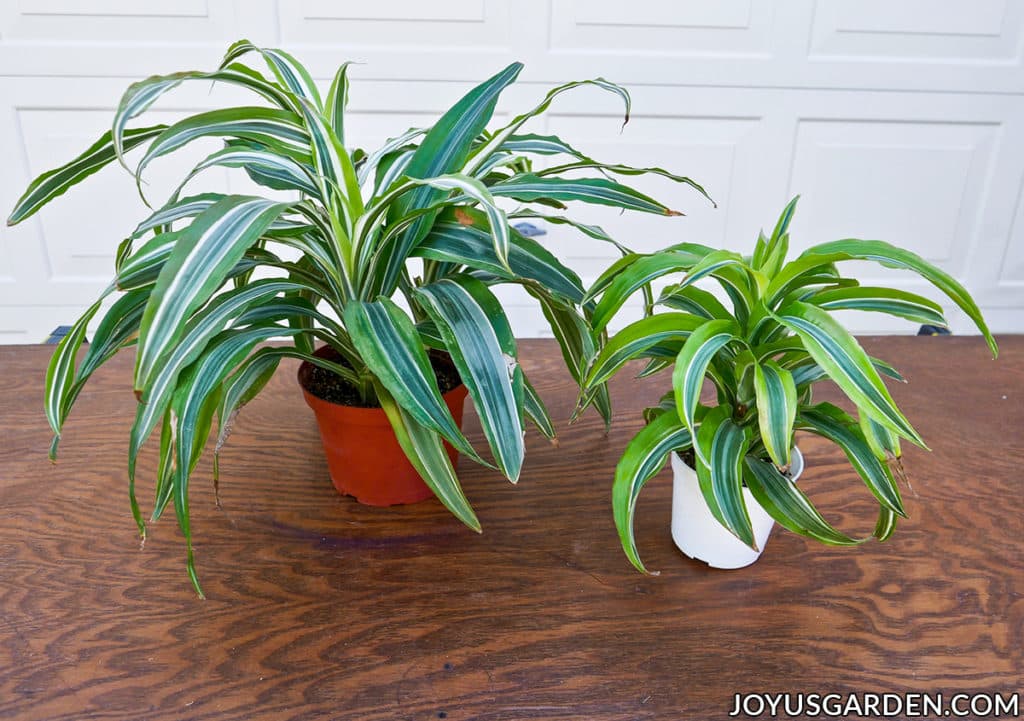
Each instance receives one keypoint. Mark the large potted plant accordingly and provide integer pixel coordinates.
(207, 278)
(734, 460)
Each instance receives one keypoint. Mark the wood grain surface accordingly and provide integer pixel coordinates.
(320, 608)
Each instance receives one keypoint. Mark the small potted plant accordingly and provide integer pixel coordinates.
(206, 278)
(735, 465)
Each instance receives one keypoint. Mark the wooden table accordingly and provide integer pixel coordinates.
(323, 609)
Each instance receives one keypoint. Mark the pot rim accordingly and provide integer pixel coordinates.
(357, 415)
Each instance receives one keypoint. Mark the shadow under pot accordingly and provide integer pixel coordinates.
(698, 534)
(364, 458)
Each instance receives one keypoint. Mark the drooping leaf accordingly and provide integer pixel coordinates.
(388, 343)
(479, 338)
(788, 505)
(830, 422)
(840, 355)
(720, 447)
(643, 458)
(202, 257)
(56, 182)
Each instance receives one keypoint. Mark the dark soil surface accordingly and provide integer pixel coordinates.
(331, 387)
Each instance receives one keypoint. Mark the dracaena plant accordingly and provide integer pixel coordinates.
(763, 353)
(416, 219)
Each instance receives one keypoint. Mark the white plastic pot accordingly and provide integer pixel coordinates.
(699, 535)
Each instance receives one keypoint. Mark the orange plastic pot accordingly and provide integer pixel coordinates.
(364, 458)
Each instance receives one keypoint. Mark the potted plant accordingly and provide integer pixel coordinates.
(207, 278)
(734, 459)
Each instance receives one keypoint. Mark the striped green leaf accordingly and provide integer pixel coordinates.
(337, 102)
(461, 236)
(892, 257)
(60, 374)
(597, 191)
(388, 343)
(203, 255)
(771, 254)
(899, 303)
(195, 401)
(426, 452)
(56, 182)
(480, 341)
(196, 335)
(444, 150)
(775, 392)
(628, 170)
(692, 365)
(886, 524)
(503, 135)
(838, 353)
(643, 458)
(883, 443)
(634, 274)
(694, 300)
(289, 71)
(631, 342)
(242, 386)
(176, 210)
(280, 128)
(788, 505)
(539, 145)
(272, 169)
(576, 341)
(536, 411)
(720, 448)
(833, 423)
(141, 95)
(591, 231)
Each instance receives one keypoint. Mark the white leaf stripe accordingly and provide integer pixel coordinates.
(846, 363)
(480, 342)
(56, 182)
(204, 254)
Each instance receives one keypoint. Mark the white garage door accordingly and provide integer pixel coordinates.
(895, 120)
